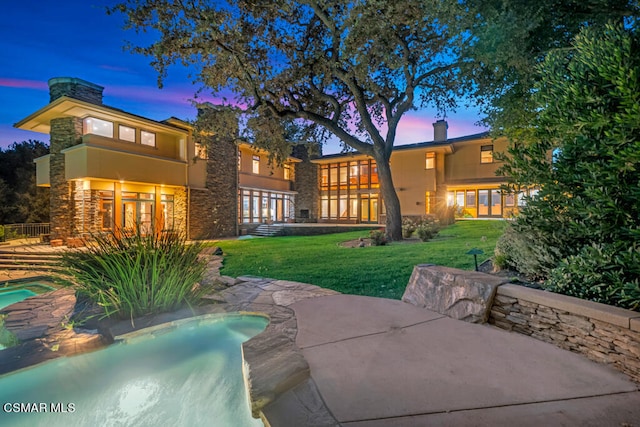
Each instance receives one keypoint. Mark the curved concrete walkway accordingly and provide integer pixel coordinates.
(379, 362)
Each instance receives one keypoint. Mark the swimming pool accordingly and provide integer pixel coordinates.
(184, 375)
(13, 294)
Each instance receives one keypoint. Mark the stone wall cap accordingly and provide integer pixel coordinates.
(634, 323)
(74, 80)
(593, 310)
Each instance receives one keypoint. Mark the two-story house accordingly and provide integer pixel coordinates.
(112, 170)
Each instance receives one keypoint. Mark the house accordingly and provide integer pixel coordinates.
(112, 170)
(458, 172)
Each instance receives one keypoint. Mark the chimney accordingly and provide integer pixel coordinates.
(75, 88)
(440, 130)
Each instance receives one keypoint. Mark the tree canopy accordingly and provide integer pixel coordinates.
(20, 200)
(512, 37)
(349, 69)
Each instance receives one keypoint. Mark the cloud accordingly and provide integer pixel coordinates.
(23, 84)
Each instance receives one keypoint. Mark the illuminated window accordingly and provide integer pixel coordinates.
(125, 133)
(148, 138)
(287, 172)
(510, 199)
(256, 164)
(450, 198)
(201, 151)
(94, 126)
(471, 198)
(486, 154)
(430, 162)
(324, 180)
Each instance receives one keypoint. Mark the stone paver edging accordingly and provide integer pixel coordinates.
(273, 364)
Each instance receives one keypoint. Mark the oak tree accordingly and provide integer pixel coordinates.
(347, 69)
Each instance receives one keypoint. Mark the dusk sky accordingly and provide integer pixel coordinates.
(44, 39)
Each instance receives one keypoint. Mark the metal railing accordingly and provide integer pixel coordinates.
(21, 231)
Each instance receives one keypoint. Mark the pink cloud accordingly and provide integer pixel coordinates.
(23, 84)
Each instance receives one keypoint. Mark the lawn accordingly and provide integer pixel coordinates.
(381, 271)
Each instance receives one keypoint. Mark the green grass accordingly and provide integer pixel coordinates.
(381, 271)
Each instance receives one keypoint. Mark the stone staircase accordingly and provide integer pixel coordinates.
(30, 260)
(269, 230)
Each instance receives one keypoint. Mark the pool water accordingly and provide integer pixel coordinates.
(189, 375)
(11, 297)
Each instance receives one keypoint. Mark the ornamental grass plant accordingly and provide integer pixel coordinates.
(135, 274)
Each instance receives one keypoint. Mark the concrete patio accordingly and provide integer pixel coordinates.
(380, 362)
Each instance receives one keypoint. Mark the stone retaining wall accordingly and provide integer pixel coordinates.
(602, 333)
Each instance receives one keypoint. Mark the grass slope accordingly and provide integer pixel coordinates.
(380, 271)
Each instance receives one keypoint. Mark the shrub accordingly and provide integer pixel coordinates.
(601, 272)
(408, 227)
(428, 228)
(378, 237)
(1, 233)
(135, 275)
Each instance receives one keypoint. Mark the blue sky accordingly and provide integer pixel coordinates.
(41, 39)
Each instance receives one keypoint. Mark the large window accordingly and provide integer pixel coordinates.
(137, 211)
(100, 127)
(255, 167)
(486, 154)
(261, 206)
(287, 171)
(430, 162)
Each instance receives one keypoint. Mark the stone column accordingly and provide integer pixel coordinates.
(307, 183)
(65, 132)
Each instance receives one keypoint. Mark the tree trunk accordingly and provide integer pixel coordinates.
(390, 199)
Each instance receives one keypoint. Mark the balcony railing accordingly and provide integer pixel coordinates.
(21, 231)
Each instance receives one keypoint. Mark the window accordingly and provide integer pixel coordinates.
(167, 211)
(148, 138)
(509, 200)
(256, 164)
(201, 151)
(287, 172)
(486, 154)
(430, 162)
(94, 126)
(106, 209)
(450, 198)
(460, 199)
(471, 198)
(324, 182)
(125, 133)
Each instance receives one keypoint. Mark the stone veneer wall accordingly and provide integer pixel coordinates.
(307, 181)
(602, 333)
(75, 88)
(65, 132)
(180, 209)
(214, 210)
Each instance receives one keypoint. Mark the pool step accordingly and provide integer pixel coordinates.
(38, 261)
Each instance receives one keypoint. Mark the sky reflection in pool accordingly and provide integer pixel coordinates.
(187, 376)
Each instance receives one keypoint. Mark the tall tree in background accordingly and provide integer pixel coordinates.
(349, 69)
(512, 37)
(20, 200)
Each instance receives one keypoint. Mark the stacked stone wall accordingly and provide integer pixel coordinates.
(65, 132)
(307, 184)
(180, 210)
(86, 218)
(75, 88)
(603, 334)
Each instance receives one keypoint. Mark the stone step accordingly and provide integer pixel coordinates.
(28, 256)
(31, 267)
(266, 230)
